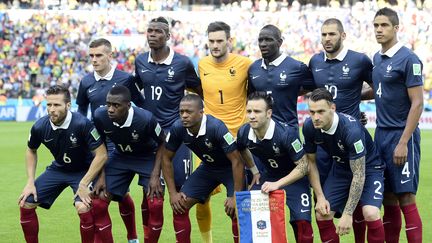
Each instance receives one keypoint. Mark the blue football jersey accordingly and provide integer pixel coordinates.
(283, 80)
(164, 85)
(94, 93)
(343, 79)
(278, 150)
(212, 143)
(392, 76)
(140, 135)
(349, 141)
(70, 144)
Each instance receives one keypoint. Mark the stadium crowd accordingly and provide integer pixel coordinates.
(44, 47)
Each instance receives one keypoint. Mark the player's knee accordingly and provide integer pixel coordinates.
(81, 207)
(406, 198)
(155, 205)
(203, 211)
(99, 206)
(371, 213)
(28, 205)
(321, 217)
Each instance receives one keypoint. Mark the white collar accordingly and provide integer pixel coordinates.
(203, 127)
(167, 60)
(65, 124)
(341, 56)
(334, 125)
(276, 62)
(128, 121)
(107, 76)
(268, 135)
(392, 51)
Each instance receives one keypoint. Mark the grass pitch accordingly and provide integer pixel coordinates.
(61, 224)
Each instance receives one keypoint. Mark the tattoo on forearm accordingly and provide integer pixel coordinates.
(357, 184)
(302, 166)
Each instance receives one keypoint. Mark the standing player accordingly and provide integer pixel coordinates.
(398, 85)
(279, 75)
(342, 72)
(92, 91)
(138, 139)
(165, 75)
(356, 169)
(278, 147)
(224, 83)
(209, 138)
(71, 139)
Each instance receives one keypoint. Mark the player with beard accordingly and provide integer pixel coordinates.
(342, 72)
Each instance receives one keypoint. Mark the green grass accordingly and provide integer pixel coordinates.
(61, 224)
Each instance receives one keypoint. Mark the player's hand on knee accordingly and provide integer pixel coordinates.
(400, 154)
(178, 202)
(322, 206)
(84, 193)
(344, 225)
(230, 206)
(154, 188)
(255, 180)
(268, 187)
(29, 189)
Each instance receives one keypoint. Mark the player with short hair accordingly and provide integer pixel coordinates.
(79, 155)
(279, 75)
(165, 75)
(398, 84)
(342, 72)
(224, 82)
(92, 91)
(138, 140)
(209, 138)
(356, 169)
(279, 148)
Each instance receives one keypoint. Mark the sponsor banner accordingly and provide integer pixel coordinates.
(8, 113)
(261, 217)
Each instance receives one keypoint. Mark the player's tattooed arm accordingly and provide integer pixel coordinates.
(302, 166)
(357, 184)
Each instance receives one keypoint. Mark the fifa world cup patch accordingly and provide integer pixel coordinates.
(297, 145)
(95, 134)
(416, 69)
(359, 146)
(229, 138)
(158, 130)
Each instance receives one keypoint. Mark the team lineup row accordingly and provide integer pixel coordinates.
(351, 174)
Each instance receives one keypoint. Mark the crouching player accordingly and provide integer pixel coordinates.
(356, 169)
(138, 140)
(210, 140)
(79, 155)
(278, 148)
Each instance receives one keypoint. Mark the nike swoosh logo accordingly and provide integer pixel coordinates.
(88, 227)
(156, 229)
(254, 77)
(318, 70)
(105, 131)
(387, 222)
(377, 198)
(358, 221)
(25, 222)
(144, 71)
(205, 74)
(100, 229)
(403, 182)
(304, 210)
(407, 229)
(125, 214)
(178, 232)
(328, 241)
(48, 140)
(91, 90)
